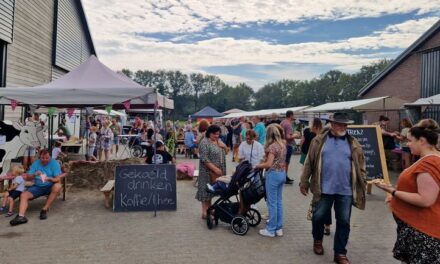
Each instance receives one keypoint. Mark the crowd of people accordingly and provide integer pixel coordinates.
(334, 171)
(332, 165)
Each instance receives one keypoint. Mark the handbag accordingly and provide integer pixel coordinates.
(212, 175)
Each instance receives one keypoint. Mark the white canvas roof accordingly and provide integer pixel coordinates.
(378, 103)
(112, 112)
(432, 100)
(90, 84)
(266, 112)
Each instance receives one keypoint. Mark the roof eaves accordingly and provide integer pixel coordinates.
(86, 26)
(400, 58)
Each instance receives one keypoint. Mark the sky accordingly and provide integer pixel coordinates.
(255, 42)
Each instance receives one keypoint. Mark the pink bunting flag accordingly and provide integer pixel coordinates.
(127, 104)
(70, 112)
(13, 104)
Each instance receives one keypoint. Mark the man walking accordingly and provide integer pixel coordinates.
(290, 140)
(259, 129)
(335, 173)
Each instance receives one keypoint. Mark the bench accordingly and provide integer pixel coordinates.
(108, 192)
(63, 177)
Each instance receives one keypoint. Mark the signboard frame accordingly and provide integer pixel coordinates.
(381, 151)
(151, 187)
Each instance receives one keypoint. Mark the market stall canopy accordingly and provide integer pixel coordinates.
(112, 112)
(267, 112)
(162, 101)
(207, 112)
(370, 104)
(151, 99)
(90, 84)
(234, 110)
(432, 100)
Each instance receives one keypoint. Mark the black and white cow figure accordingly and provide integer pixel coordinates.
(15, 138)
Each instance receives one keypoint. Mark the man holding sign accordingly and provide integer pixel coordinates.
(335, 173)
(44, 172)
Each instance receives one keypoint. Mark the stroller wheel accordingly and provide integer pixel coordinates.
(239, 225)
(136, 151)
(253, 217)
(209, 222)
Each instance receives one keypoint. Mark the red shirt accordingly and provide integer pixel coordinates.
(424, 219)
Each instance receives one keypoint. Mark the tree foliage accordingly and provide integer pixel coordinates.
(194, 91)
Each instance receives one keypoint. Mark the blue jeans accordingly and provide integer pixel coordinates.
(321, 213)
(289, 152)
(274, 193)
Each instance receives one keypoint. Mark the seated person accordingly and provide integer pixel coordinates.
(46, 174)
(15, 190)
(190, 142)
(161, 156)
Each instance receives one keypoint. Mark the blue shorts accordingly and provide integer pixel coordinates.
(38, 191)
(289, 153)
(116, 140)
(14, 194)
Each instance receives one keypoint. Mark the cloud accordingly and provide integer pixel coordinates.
(176, 16)
(117, 28)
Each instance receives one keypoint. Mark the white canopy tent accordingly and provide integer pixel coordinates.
(112, 112)
(432, 100)
(379, 103)
(266, 112)
(90, 84)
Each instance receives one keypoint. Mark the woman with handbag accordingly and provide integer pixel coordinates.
(275, 165)
(415, 201)
(212, 164)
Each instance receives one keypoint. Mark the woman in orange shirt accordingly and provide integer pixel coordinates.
(415, 202)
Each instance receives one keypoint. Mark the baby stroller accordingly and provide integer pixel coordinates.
(250, 185)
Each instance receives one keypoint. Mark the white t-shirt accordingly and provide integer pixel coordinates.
(92, 139)
(244, 152)
(55, 153)
(20, 183)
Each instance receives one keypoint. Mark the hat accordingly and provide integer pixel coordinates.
(159, 143)
(340, 118)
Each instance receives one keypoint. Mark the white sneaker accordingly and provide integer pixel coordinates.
(266, 233)
(279, 232)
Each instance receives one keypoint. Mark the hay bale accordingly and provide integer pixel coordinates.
(94, 175)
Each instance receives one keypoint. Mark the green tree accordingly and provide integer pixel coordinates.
(197, 82)
(127, 73)
(178, 83)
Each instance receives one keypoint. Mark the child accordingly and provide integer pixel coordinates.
(92, 143)
(14, 191)
(221, 184)
(161, 156)
(57, 153)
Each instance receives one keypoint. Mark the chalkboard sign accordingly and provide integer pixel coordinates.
(145, 188)
(370, 138)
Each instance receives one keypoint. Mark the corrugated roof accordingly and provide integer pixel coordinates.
(400, 58)
(207, 112)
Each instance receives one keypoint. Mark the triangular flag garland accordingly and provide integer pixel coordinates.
(13, 104)
(51, 111)
(127, 104)
(108, 108)
(70, 112)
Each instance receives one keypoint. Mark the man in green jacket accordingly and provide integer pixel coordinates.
(335, 173)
